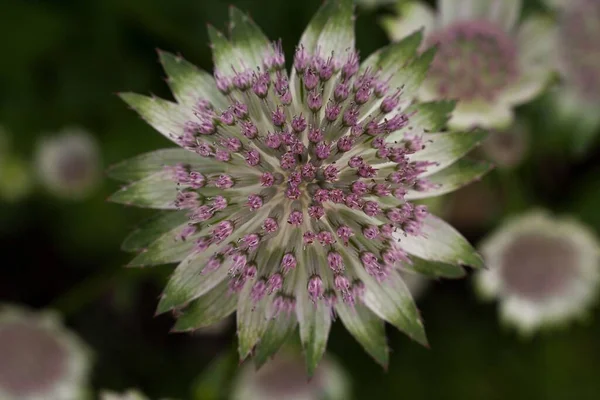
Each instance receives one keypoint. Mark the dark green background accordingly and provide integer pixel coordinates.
(62, 63)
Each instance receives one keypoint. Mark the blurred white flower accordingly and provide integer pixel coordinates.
(39, 358)
(485, 59)
(284, 377)
(578, 60)
(542, 269)
(68, 164)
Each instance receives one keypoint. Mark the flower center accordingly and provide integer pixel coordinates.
(475, 60)
(32, 360)
(536, 267)
(579, 32)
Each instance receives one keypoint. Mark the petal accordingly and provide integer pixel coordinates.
(412, 76)
(413, 16)
(190, 84)
(452, 178)
(314, 321)
(247, 38)
(320, 20)
(164, 250)
(536, 39)
(153, 228)
(529, 85)
(446, 148)
(367, 329)
(252, 320)
(496, 115)
(433, 269)
(166, 117)
(390, 58)
(430, 116)
(279, 329)
(208, 309)
(440, 242)
(505, 13)
(487, 283)
(337, 35)
(156, 191)
(189, 283)
(148, 164)
(391, 300)
(225, 57)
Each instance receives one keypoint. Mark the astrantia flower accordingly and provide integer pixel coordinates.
(284, 378)
(292, 194)
(542, 269)
(484, 60)
(39, 358)
(68, 164)
(578, 54)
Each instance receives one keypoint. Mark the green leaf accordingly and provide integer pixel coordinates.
(252, 320)
(156, 191)
(208, 309)
(337, 35)
(247, 38)
(431, 116)
(367, 329)
(166, 117)
(434, 269)
(150, 163)
(447, 148)
(190, 84)
(189, 283)
(452, 178)
(440, 242)
(279, 329)
(391, 300)
(153, 228)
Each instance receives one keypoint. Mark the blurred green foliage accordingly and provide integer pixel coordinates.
(63, 63)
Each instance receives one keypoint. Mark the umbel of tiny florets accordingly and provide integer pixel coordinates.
(292, 195)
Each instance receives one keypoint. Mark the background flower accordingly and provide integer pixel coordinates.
(543, 270)
(486, 59)
(40, 358)
(68, 164)
(577, 57)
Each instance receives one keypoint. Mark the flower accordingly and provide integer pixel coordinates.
(68, 163)
(578, 61)
(41, 360)
(291, 196)
(485, 60)
(543, 270)
(284, 378)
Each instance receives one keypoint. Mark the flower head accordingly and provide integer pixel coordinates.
(40, 358)
(484, 60)
(284, 378)
(542, 269)
(578, 61)
(320, 221)
(68, 164)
